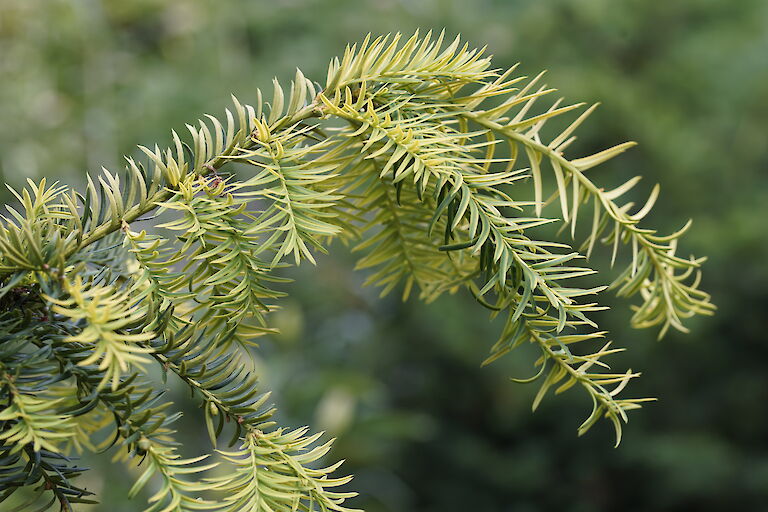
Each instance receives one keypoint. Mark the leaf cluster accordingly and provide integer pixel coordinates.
(432, 165)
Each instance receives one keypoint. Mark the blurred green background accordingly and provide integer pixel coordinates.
(421, 425)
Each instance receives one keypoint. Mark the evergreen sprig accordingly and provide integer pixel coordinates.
(413, 150)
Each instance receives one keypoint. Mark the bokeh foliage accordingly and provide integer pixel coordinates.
(421, 426)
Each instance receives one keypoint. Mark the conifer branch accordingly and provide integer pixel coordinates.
(411, 149)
